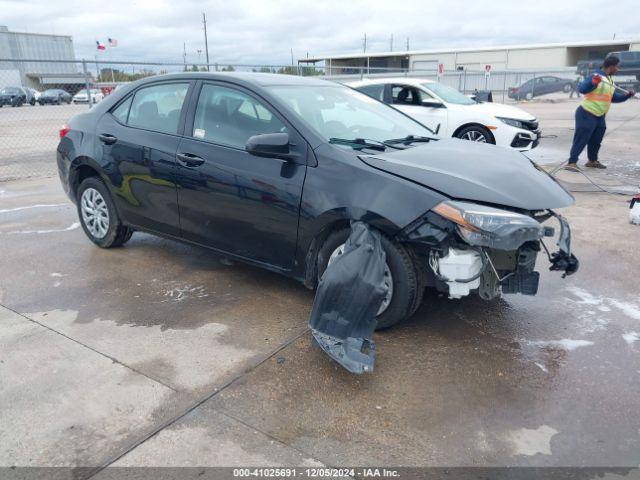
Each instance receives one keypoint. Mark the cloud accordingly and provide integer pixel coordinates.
(265, 32)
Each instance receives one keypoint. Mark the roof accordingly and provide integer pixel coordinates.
(251, 78)
(376, 81)
(397, 53)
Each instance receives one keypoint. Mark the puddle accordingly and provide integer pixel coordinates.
(531, 442)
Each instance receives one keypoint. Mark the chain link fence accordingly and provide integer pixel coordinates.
(38, 96)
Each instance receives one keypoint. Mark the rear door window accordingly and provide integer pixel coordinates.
(374, 91)
(158, 107)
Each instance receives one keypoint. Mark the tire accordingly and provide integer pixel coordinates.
(528, 96)
(112, 233)
(32, 102)
(476, 133)
(566, 88)
(407, 291)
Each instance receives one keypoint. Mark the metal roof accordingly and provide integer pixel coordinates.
(398, 53)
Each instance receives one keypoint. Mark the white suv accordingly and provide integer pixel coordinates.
(451, 114)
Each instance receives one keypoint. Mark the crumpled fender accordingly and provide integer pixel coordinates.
(347, 300)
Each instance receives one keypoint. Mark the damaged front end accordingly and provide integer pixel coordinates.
(464, 248)
(471, 247)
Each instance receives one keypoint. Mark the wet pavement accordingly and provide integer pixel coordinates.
(159, 353)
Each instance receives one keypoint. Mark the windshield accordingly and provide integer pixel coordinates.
(51, 92)
(335, 111)
(448, 94)
(10, 91)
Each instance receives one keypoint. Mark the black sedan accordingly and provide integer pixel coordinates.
(13, 96)
(273, 169)
(540, 86)
(54, 96)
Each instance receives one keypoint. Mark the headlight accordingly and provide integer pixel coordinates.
(511, 121)
(490, 227)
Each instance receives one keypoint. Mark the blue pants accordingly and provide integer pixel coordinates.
(589, 133)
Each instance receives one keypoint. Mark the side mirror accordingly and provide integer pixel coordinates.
(432, 103)
(274, 145)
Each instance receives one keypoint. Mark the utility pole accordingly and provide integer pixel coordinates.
(391, 43)
(364, 43)
(206, 43)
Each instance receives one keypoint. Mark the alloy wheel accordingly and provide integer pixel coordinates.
(388, 280)
(95, 213)
(474, 136)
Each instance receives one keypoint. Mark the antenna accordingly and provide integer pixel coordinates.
(391, 43)
(407, 44)
(364, 43)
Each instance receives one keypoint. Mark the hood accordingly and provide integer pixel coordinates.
(496, 110)
(466, 170)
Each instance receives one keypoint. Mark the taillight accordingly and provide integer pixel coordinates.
(64, 130)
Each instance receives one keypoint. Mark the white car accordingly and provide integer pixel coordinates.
(449, 113)
(82, 97)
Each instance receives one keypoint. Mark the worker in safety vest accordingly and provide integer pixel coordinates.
(599, 93)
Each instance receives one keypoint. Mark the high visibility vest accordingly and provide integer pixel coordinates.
(598, 100)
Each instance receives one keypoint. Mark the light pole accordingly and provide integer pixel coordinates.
(206, 43)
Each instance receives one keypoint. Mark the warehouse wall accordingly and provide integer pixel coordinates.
(533, 58)
(537, 58)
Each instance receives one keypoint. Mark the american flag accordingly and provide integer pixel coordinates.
(100, 46)
(113, 42)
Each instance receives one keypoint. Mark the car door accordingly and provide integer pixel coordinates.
(409, 99)
(551, 84)
(229, 199)
(137, 142)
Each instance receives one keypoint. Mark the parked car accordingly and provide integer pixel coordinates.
(271, 169)
(452, 114)
(54, 96)
(539, 86)
(13, 96)
(82, 97)
(34, 95)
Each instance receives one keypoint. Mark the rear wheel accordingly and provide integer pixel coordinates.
(98, 216)
(566, 88)
(476, 133)
(401, 276)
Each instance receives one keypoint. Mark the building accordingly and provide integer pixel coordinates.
(16, 46)
(544, 57)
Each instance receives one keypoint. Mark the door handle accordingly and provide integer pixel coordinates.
(189, 160)
(107, 138)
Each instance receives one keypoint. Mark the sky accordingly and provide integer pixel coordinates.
(265, 32)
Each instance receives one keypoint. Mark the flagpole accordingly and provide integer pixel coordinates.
(113, 80)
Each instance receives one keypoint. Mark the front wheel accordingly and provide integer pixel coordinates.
(528, 96)
(98, 215)
(401, 276)
(476, 133)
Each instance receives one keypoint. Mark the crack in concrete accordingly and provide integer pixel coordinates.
(207, 396)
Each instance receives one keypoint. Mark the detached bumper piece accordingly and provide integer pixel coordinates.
(563, 260)
(347, 300)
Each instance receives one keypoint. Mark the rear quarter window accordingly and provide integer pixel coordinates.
(121, 112)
